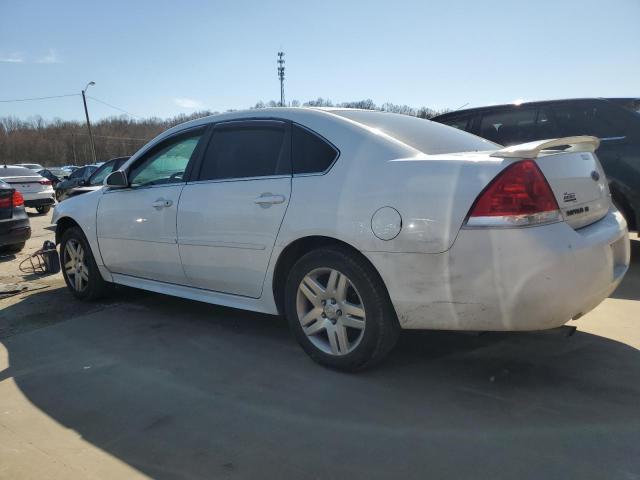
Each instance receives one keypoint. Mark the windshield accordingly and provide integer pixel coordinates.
(99, 175)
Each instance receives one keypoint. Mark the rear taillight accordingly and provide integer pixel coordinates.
(18, 199)
(6, 202)
(519, 196)
(45, 182)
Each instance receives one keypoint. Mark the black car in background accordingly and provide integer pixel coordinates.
(76, 178)
(95, 180)
(615, 121)
(15, 229)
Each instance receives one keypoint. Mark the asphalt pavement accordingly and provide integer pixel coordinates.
(143, 384)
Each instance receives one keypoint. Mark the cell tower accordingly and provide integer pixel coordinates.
(281, 76)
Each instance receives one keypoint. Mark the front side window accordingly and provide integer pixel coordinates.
(310, 153)
(246, 151)
(166, 163)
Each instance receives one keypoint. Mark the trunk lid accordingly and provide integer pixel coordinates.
(574, 175)
(26, 184)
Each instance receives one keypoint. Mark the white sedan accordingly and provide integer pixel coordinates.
(354, 224)
(36, 190)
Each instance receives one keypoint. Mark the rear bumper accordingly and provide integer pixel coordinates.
(39, 199)
(511, 279)
(15, 230)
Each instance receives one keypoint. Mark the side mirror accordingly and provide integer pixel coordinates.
(117, 179)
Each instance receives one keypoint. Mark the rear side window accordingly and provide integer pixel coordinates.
(599, 120)
(310, 153)
(246, 151)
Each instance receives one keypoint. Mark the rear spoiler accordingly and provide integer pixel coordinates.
(581, 143)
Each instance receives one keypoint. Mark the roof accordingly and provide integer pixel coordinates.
(532, 103)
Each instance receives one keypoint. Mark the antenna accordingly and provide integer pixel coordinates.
(281, 76)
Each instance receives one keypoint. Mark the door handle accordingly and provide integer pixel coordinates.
(161, 203)
(265, 200)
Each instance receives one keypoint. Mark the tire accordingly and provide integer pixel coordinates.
(43, 209)
(361, 338)
(91, 285)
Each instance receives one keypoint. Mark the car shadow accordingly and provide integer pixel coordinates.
(180, 389)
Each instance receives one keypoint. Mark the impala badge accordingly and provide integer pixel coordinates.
(569, 197)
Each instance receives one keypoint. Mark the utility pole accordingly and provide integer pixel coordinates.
(281, 76)
(86, 113)
(73, 146)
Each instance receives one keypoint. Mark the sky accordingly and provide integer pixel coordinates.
(162, 58)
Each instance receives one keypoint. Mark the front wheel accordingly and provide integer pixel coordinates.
(43, 209)
(79, 268)
(339, 310)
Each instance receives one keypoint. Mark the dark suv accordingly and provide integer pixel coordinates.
(615, 121)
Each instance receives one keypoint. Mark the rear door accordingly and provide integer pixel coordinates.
(229, 218)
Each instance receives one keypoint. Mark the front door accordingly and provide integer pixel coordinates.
(136, 226)
(229, 218)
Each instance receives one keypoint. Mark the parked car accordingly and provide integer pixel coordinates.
(31, 166)
(354, 224)
(95, 180)
(35, 189)
(49, 175)
(615, 121)
(76, 177)
(60, 172)
(14, 222)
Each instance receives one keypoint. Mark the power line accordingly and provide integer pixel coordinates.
(113, 106)
(38, 98)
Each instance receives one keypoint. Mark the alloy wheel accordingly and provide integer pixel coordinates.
(330, 311)
(75, 265)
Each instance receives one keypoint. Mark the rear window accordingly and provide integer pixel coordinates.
(17, 172)
(423, 135)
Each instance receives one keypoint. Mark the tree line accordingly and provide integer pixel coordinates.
(63, 142)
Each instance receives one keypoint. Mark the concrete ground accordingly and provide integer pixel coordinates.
(149, 385)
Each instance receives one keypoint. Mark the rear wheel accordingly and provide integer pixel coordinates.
(339, 310)
(79, 268)
(43, 209)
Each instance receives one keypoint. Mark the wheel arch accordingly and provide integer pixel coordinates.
(301, 246)
(62, 225)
